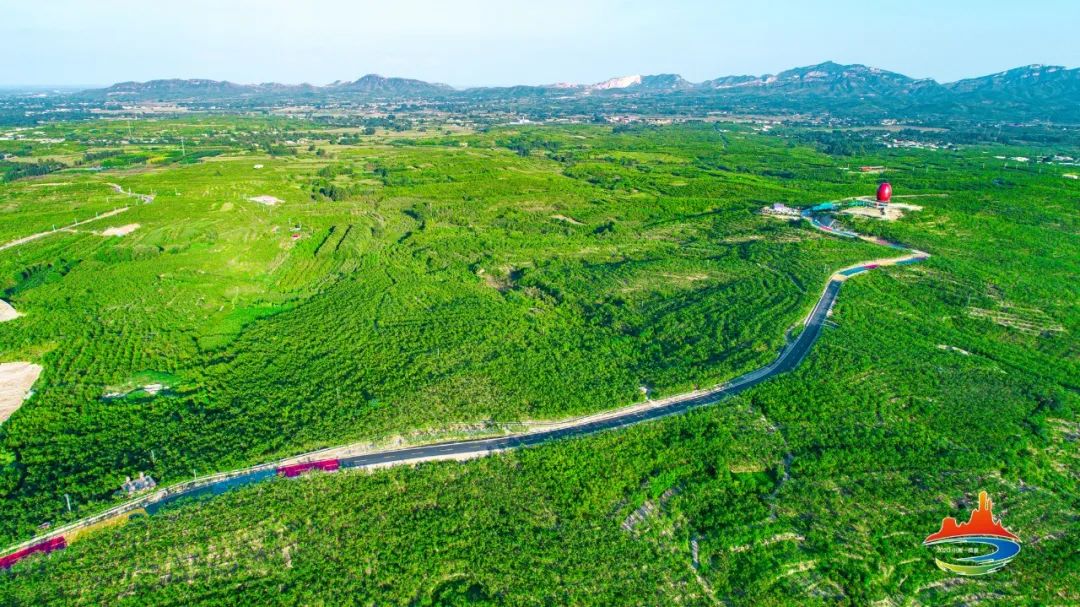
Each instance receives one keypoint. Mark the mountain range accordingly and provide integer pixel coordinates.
(1033, 91)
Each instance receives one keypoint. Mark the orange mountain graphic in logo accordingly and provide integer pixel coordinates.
(981, 523)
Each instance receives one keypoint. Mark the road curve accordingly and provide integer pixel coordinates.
(789, 358)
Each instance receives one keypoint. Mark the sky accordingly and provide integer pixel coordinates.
(503, 42)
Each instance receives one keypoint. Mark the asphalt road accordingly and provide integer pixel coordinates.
(788, 359)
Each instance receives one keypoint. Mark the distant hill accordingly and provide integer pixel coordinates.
(1047, 92)
(826, 78)
(192, 89)
(1038, 80)
(371, 85)
(172, 89)
(835, 79)
(1024, 93)
(1032, 92)
(665, 82)
(620, 82)
(727, 82)
(638, 83)
(376, 85)
(1053, 88)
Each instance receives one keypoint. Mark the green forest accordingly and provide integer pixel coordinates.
(292, 285)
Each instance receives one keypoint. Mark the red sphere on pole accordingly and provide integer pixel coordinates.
(884, 192)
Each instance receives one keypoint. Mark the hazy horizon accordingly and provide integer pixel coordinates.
(486, 43)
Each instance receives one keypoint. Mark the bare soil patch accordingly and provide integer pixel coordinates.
(266, 199)
(891, 212)
(7, 312)
(570, 220)
(949, 348)
(120, 230)
(15, 381)
(502, 281)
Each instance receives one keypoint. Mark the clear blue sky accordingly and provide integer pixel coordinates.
(485, 42)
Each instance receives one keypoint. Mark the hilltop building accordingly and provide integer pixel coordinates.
(142, 483)
(780, 209)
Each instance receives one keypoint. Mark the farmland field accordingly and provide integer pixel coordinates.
(398, 288)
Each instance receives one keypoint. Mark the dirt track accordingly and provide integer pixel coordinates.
(33, 237)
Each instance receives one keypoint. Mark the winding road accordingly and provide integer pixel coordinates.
(789, 358)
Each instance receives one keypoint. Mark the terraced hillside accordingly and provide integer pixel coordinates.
(450, 285)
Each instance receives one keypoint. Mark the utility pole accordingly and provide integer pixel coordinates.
(182, 151)
(152, 458)
(67, 498)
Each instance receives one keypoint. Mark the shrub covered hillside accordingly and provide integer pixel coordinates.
(448, 284)
(453, 283)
